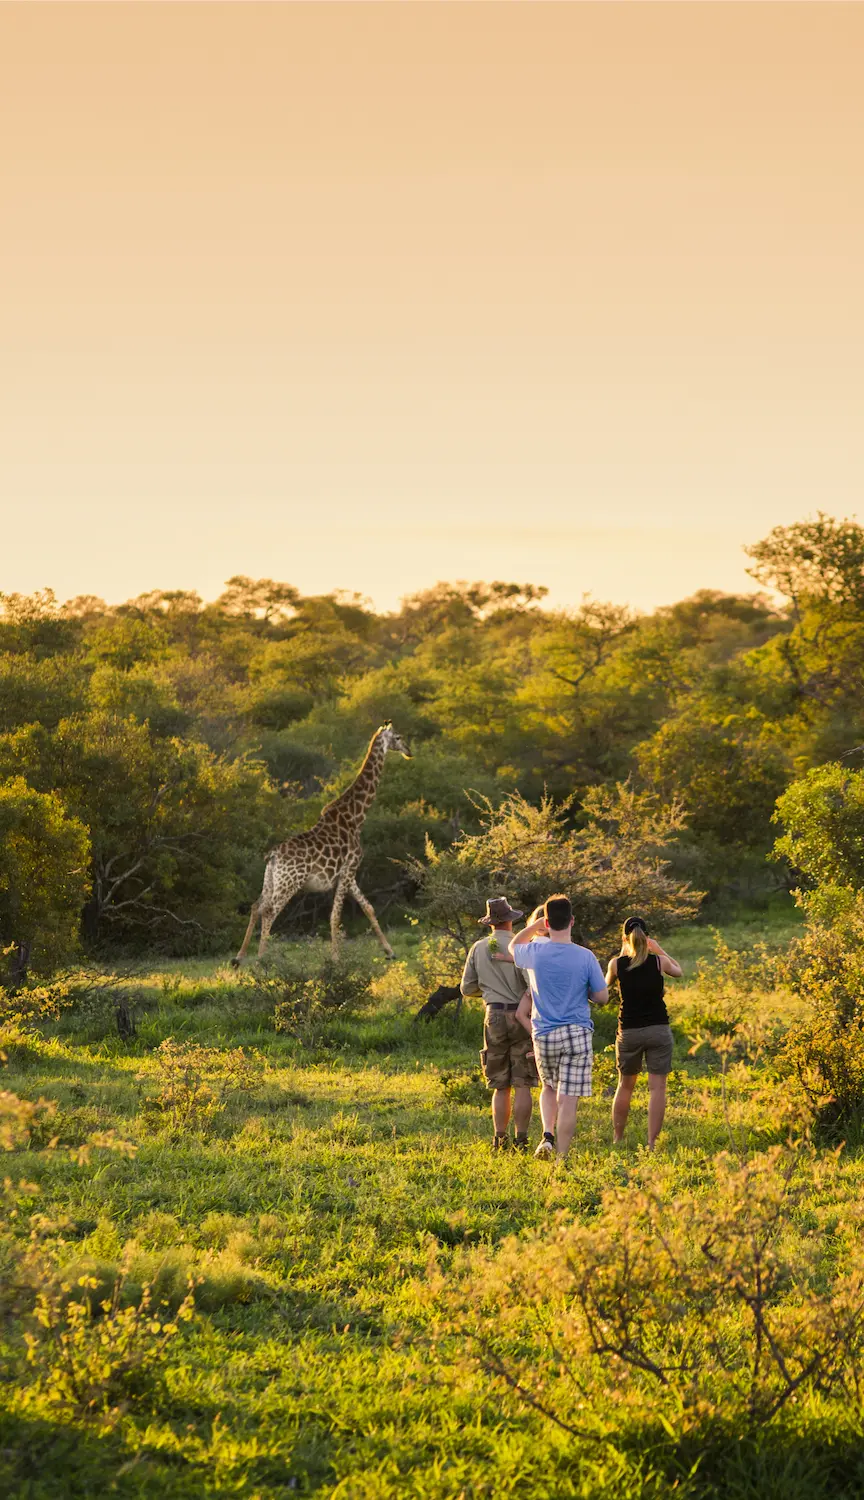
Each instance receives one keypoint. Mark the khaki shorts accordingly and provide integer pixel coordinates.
(651, 1043)
(508, 1053)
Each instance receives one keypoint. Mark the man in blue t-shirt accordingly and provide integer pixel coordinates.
(565, 981)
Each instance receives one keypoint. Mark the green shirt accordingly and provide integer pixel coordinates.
(497, 981)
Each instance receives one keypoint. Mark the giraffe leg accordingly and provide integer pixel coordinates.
(369, 911)
(273, 903)
(268, 917)
(336, 917)
(253, 918)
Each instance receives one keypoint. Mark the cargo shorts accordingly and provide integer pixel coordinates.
(651, 1043)
(508, 1053)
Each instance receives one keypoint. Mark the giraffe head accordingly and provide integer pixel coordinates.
(390, 740)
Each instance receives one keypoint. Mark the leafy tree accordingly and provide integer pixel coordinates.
(820, 560)
(34, 623)
(819, 566)
(449, 605)
(726, 769)
(42, 690)
(44, 860)
(611, 866)
(288, 676)
(176, 830)
(823, 817)
(259, 599)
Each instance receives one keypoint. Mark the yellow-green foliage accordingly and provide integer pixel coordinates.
(709, 1305)
(195, 1082)
(44, 855)
(85, 1357)
(384, 1307)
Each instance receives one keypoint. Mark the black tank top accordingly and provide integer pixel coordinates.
(642, 1002)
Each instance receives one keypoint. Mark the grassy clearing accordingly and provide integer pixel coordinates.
(314, 1209)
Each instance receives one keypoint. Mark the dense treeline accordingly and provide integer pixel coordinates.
(152, 751)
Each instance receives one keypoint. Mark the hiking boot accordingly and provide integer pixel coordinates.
(545, 1151)
(521, 1143)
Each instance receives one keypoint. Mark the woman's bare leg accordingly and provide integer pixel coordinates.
(656, 1106)
(621, 1103)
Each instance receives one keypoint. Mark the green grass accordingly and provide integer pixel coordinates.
(311, 1210)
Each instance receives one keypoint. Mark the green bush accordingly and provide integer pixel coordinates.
(44, 856)
(825, 1050)
(194, 1084)
(310, 991)
(823, 818)
(87, 1357)
(693, 1311)
(611, 865)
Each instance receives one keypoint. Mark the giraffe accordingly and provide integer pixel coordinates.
(326, 857)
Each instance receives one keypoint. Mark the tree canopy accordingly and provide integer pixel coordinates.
(188, 737)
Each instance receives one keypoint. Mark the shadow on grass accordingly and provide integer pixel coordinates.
(796, 1460)
(42, 1459)
(64, 1459)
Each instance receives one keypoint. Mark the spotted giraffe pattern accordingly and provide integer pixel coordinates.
(326, 857)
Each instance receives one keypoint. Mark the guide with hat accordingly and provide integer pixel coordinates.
(508, 1056)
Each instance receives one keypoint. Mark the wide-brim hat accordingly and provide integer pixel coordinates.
(498, 909)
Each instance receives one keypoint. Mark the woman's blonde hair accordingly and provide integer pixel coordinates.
(635, 944)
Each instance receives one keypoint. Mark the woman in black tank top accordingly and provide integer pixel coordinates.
(642, 988)
(644, 1033)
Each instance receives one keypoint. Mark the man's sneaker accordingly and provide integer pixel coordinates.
(545, 1151)
(521, 1143)
(500, 1143)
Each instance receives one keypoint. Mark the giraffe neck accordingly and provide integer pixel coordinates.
(356, 800)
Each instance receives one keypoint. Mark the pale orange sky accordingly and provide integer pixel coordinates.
(366, 296)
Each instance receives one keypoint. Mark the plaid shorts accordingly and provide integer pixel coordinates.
(565, 1057)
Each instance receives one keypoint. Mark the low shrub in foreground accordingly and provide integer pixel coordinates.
(705, 1308)
(86, 1357)
(309, 992)
(195, 1083)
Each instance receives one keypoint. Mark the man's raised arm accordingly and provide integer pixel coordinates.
(524, 937)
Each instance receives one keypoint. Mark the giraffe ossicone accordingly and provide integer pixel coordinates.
(326, 856)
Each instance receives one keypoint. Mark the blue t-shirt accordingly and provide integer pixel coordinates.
(562, 977)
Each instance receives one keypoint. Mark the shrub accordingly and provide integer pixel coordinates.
(309, 993)
(823, 816)
(440, 960)
(699, 1309)
(195, 1084)
(86, 1357)
(23, 1121)
(37, 1002)
(611, 865)
(823, 819)
(44, 856)
(825, 1049)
